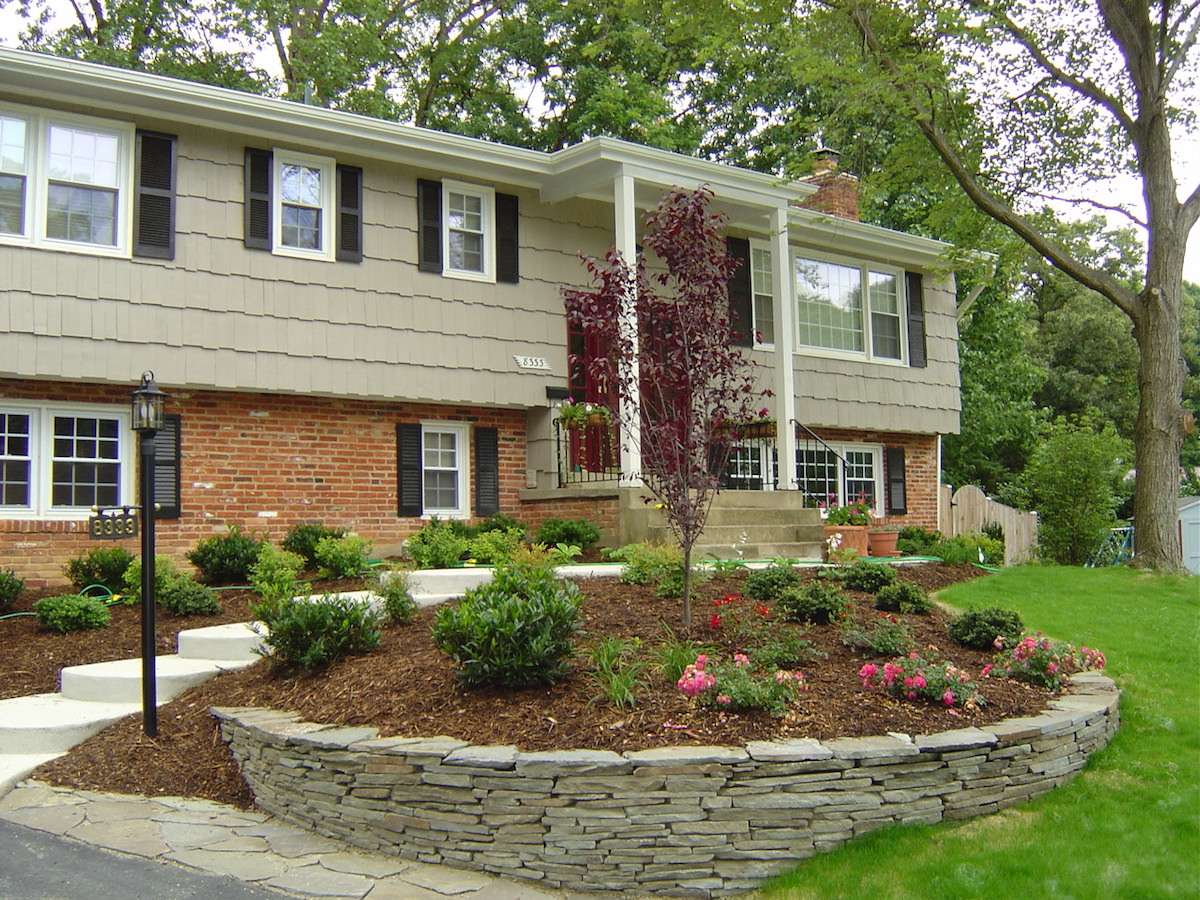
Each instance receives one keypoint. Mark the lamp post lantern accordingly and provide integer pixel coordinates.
(147, 419)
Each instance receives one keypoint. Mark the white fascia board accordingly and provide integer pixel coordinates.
(819, 229)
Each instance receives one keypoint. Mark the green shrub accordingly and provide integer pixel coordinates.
(883, 638)
(579, 532)
(970, 548)
(868, 577)
(817, 602)
(71, 612)
(103, 565)
(616, 672)
(514, 631)
(647, 563)
(275, 576)
(392, 588)
(501, 522)
(904, 597)
(436, 546)
(675, 654)
(164, 573)
(670, 585)
(302, 539)
(767, 585)
(10, 588)
(344, 557)
(786, 648)
(184, 596)
(743, 687)
(226, 558)
(917, 541)
(494, 547)
(979, 628)
(308, 634)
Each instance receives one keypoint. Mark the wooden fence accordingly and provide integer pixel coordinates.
(968, 509)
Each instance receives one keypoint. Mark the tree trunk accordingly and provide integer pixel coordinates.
(1158, 435)
(687, 589)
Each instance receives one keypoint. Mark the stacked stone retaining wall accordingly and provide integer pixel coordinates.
(693, 820)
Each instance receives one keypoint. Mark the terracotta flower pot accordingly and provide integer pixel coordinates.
(597, 419)
(883, 543)
(854, 537)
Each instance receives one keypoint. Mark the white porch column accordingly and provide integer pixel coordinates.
(785, 339)
(626, 242)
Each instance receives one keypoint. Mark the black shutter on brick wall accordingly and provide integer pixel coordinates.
(168, 459)
(508, 268)
(349, 214)
(916, 320)
(257, 224)
(154, 204)
(487, 471)
(429, 226)
(897, 487)
(741, 316)
(409, 491)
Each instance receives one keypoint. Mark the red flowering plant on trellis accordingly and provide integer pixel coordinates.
(685, 388)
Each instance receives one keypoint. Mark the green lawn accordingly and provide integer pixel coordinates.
(1128, 826)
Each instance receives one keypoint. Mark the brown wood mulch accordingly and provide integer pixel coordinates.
(31, 657)
(408, 688)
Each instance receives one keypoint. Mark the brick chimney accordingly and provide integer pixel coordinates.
(837, 191)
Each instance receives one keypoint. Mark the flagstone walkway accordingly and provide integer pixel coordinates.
(246, 845)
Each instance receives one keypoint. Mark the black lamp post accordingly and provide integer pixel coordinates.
(147, 419)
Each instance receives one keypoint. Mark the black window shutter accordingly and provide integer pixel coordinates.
(409, 490)
(897, 489)
(916, 320)
(154, 204)
(350, 214)
(429, 226)
(168, 457)
(487, 471)
(741, 303)
(508, 266)
(257, 234)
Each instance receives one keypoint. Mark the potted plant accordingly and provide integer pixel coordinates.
(573, 415)
(882, 541)
(849, 524)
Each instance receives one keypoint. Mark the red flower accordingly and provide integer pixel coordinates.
(714, 622)
(762, 609)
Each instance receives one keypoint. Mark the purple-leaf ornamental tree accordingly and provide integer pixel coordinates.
(694, 387)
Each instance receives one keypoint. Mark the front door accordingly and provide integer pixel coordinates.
(594, 448)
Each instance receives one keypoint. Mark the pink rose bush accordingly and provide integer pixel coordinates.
(917, 678)
(1037, 659)
(737, 686)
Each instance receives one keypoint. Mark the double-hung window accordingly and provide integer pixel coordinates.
(66, 181)
(444, 467)
(762, 282)
(850, 309)
(837, 474)
(469, 230)
(59, 462)
(303, 205)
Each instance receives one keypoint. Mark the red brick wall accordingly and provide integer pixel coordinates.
(301, 458)
(600, 511)
(920, 470)
(837, 194)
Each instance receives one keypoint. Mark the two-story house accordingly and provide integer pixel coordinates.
(362, 323)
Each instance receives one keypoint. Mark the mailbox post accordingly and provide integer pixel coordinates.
(147, 419)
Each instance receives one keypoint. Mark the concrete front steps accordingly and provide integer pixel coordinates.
(754, 525)
(41, 727)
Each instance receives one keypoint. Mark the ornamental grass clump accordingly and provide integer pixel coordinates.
(769, 584)
(916, 678)
(517, 630)
(617, 671)
(903, 597)
(1036, 659)
(738, 685)
(71, 612)
(817, 602)
(979, 628)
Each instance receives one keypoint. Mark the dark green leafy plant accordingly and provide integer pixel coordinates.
(501, 522)
(917, 541)
(10, 588)
(670, 585)
(818, 602)
(514, 631)
(309, 634)
(184, 596)
(868, 577)
(103, 565)
(302, 539)
(786, 648)
(979, 628)
(344, 557)
(71, 612)
(436, 546)
(226, 558)
(767, 585)
(580, 532)
(970, 548)
(904, 597)
(164, 573)
(398, 604)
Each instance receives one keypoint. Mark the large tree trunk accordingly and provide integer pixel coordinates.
(1158, 436)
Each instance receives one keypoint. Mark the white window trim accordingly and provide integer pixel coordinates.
(876, 451)
(487, 197)
(328, 169)
(756, 244)
(41, 429)
(463, 431)
(37, 182)
(865, 267)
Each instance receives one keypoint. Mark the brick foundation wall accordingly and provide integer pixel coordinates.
(266, 462)
(600, 511)
(920, 467)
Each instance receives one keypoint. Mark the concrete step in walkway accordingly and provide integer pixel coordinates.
(237, 641)
(121, 680)
(52, 723)
(15, 767)
(808, 551)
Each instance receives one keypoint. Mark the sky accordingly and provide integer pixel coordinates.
(1125, 190)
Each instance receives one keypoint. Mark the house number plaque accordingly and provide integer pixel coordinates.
(113, 524)
(532, 362)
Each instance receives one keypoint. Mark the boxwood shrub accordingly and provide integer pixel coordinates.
(979, 628)
(309, 634)
(903, 596)
(103, 565)
(574, 532)
(71, 612)
(302, 539)
(868, 577)
(818, 601)
(437, 546)
(768, 584)
(226, 558)
(343, 557)
(10, 588)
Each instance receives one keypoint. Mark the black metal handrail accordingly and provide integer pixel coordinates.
(752, 463)
(587, 454)
(808, 440)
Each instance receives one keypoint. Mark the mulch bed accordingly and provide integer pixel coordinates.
(408, 688)
(32, 656)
